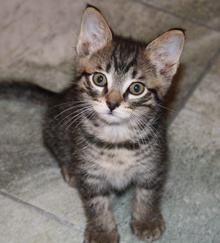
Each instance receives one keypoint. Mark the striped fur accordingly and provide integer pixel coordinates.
(108, 139)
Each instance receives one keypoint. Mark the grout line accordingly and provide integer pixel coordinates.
(203, 24)
(41, 211)
(193, 87)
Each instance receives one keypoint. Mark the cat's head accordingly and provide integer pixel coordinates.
(122, 78)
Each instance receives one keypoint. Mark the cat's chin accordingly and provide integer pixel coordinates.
(110, 118)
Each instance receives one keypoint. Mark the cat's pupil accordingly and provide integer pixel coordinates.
(137, 88)
(100, 79)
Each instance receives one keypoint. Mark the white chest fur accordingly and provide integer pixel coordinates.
(124, 167)
(118, 167)
(114, 133)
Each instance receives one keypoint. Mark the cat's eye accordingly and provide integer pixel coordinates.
(99, 79)
(136, 88)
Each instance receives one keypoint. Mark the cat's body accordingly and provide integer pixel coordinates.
(114, 150)
(113, 153)
(108, 130)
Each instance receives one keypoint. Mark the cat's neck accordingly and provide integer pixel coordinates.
(119, 132)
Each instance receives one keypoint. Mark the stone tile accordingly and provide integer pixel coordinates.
(201, 11)
(40, 32)
(20, 223)
(28, 171)
(193, 189)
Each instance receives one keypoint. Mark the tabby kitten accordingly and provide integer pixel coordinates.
(107, 129)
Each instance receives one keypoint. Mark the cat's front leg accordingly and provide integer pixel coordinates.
(101, 226)
(147, 222)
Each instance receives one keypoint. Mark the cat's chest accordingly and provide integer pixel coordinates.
(114, 133)
(114, 147)
(113, 154)
(117, 159)
(117, 166)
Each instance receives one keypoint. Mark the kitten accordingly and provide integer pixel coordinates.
(107, 129)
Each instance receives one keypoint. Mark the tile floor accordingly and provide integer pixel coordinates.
(37, 40)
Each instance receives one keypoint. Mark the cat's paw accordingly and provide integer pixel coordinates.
(68, 177)
(101, 237)
(148, 230)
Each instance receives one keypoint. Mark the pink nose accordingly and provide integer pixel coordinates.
(112, 105)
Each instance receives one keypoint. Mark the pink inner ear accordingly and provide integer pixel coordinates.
(91, 28)
(95, 32)
(165, 51)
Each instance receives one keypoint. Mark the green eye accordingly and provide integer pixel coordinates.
(99, 79)
(136, 88)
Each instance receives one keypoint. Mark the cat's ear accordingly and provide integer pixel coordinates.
(164, 52)
(95, 32)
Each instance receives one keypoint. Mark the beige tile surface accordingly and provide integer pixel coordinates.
(193, 185)
(20, 223)
(201, 11)
(28, 171)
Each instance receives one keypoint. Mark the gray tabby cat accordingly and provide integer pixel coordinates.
(107, 129)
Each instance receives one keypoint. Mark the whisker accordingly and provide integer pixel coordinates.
(156, 135)
(91, 114)
(77, 116)
(136, 121)
(166, 108)
(71, 102)
(142, 123)
(85, 111)
(72, 107)
(76, 111)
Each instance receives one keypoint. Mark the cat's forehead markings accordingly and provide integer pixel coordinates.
(108, 67)
(134, 73)
(104, 68)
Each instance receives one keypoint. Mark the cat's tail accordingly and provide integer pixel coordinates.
(26, 91)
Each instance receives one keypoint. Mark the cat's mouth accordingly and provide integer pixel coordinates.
(111, 113)
(110, 117)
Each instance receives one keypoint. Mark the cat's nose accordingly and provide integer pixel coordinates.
(112, 105)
